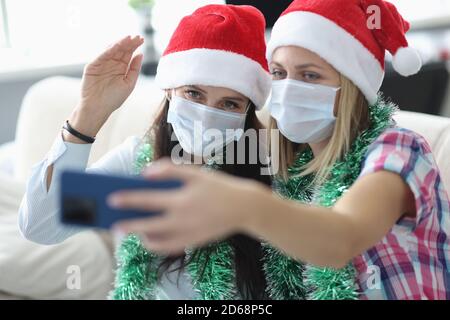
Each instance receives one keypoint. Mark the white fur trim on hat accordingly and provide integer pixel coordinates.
(215, 68)
(334, 44)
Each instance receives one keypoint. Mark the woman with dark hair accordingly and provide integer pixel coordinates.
(215, 76)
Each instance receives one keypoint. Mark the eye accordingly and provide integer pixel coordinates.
(278, 74)
(230, 105)
(193, 94)
(310, 76)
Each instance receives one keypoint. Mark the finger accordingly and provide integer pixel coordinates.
(122, 40)
(144, 200)
(117, 42)
(130, 43)
(126, 49)
(122, 47)
(177, 242)
(134, 70)
(151, 226)
(167, 246)
(165, 169)
(113, 48)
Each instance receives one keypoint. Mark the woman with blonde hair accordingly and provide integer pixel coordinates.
(363, 213)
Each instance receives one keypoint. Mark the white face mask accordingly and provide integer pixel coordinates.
(202, 130)
(303, 111)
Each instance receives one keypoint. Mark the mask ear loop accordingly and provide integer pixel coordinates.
(248, 106)
(245, 113)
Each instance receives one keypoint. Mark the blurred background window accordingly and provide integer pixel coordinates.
(48, 33)
(417, 11)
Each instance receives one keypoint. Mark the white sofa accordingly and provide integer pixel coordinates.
(33, 271)
(28, 270)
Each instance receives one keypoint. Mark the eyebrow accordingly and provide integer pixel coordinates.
(234, 98)
(277, 64)
(197, 88)
(307, 65)
(224, 98)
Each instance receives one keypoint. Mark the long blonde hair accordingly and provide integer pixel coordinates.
(352, 118)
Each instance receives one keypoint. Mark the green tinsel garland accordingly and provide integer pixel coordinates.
(144, 156)
(214, 280)
(287, 278)
(136, 275)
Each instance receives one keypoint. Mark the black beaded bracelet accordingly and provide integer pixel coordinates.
(77, 134)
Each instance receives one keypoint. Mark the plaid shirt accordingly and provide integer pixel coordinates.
(413, 260)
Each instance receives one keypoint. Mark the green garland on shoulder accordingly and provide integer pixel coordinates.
(284, 275)
(144, 156)
(136, 275)
(214, 280)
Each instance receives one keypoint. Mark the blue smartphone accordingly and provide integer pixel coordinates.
(83, 198)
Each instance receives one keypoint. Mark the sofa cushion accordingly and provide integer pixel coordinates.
(42, 272)
(436, 130)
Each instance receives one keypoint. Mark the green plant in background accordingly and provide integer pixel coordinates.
(139, 4)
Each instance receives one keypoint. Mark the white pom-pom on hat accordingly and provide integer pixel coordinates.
(406, 61)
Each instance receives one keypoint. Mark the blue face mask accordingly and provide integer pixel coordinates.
(303, 111)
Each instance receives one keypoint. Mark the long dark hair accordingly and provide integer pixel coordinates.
(248, 255)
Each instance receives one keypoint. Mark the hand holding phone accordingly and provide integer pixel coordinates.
(83, 198)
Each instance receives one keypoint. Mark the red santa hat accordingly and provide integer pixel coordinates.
(221, 46)
(351, 35)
